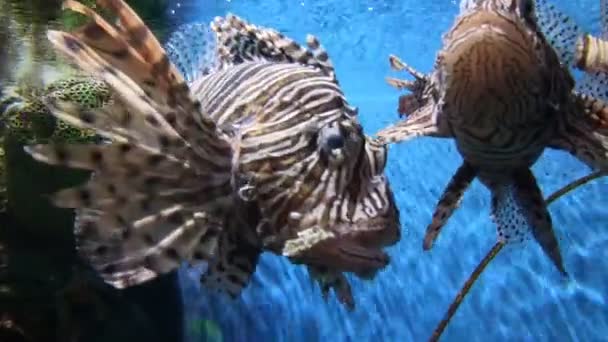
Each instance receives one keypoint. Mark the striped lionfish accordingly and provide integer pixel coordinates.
(251, 147)
(499, 89)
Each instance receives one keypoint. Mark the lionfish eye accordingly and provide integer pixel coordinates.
(331, 140)
(331, 137)
(334, 141)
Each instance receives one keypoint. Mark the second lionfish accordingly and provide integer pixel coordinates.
(247, 145)
(577, 48)
(500, 90)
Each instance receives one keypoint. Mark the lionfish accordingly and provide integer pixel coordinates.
(499, 89)
(249, 146)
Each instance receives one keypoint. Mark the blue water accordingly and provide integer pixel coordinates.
(520, 297)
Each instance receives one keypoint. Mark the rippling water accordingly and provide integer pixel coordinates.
(520, 297)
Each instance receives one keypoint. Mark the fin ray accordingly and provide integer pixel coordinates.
(145, 67)
(328, 279)
(519, 211)
(167, 169)
(233, 266)
(559, 29)
(530, 199)
(449, 202)
(241, 41)
(125, 258)
(563, 34)
(423, 122)
(594, 84)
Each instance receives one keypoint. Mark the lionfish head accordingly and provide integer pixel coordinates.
(339, 211)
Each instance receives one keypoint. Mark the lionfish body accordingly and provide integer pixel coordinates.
(245, 144)
(500, 90)
(499, 84)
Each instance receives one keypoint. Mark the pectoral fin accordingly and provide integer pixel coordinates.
(584, 132)
(449, 202)
(423, 122)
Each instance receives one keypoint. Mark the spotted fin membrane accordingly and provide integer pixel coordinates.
(193, 50)
(562, 33)
(513, 202)
(519, 209)
(585, 130)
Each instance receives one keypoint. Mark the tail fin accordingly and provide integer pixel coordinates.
(155, 187)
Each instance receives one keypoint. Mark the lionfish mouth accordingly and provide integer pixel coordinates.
(347, 256)
(359, 251)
